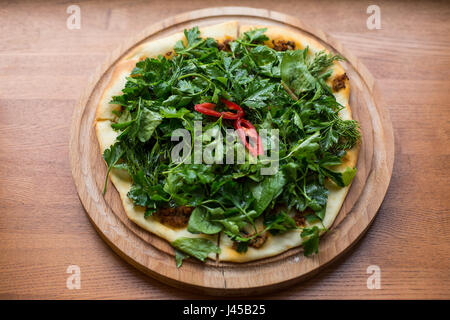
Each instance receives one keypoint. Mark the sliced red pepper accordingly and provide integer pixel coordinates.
(208, 109)
(233, 106)
(244, 128)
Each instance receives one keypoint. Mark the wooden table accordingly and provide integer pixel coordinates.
(44, 67)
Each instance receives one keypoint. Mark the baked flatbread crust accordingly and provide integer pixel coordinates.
(122, 181)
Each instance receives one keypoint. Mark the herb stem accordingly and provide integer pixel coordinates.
(289, 91)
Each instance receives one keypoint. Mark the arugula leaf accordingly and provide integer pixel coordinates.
(298, 121)
(267, 191)
(193, 41)
(138, 191)
(242, 247)
(295, 73)
(123, 121)
(301, 74)
(198, 248)
(198, 223)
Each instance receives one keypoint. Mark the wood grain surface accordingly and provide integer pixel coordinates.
(44, 67)
(153, 255)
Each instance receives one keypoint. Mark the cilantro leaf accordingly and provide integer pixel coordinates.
(256, 35)
(111, 156)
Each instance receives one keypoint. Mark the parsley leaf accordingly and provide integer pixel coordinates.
(256, 35)
(111, 156)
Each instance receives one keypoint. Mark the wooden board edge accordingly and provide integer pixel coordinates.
(197, 14)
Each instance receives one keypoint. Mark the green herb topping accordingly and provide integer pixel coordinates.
(284, 90)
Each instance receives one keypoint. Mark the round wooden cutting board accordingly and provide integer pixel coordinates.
(154, 256)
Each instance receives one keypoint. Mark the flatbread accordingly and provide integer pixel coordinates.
(122, 181)
(277, 244)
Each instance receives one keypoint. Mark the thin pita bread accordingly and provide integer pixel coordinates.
(122, 181)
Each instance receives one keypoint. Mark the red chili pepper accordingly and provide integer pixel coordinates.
(244, 128)
(208, 109)
(233, 106)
